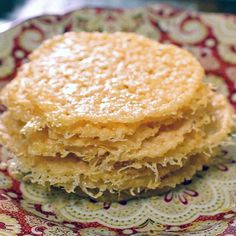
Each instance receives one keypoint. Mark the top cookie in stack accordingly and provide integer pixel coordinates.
(111, 115)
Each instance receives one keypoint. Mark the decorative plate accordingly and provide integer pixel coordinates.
(203, 206)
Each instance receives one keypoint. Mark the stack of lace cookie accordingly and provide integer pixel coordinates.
(111, 116)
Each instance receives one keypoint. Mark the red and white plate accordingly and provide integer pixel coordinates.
(202, 206)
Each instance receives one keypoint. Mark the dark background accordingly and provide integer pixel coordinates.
(14, 9)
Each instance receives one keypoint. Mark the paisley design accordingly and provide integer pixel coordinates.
(59, 231)
(139, 23)
(228, 52)
(182, 27)
(30, 39)
(50, 25)
(134, 21)
(203, 206)
(190, 31)
(6, 204)
(33, 221)
(224, 27)
(9, 226)
(206, 228)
